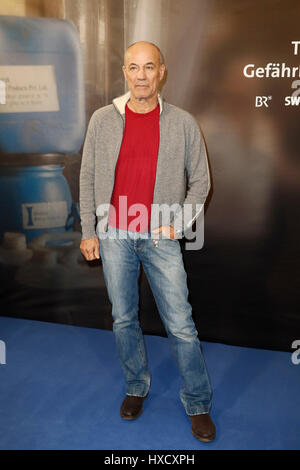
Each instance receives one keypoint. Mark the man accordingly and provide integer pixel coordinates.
(141, 149)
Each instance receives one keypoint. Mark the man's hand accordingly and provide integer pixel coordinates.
(167, 230)
(90, 248)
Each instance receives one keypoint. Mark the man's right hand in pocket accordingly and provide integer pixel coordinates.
(90, 248)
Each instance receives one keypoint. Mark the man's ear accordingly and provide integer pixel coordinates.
(162, 71)
(124, 71)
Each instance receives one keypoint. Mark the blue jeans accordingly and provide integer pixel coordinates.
(163, 265)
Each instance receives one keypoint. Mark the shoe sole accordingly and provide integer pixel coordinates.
(130, 418)
(204, 439)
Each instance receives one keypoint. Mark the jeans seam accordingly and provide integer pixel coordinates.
(140, 347)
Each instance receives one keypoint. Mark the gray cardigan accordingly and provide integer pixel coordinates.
(182, 176)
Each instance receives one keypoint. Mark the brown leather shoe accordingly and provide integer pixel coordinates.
(132, 407)
(203, 427)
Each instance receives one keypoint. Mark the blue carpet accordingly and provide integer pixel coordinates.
(61, 388)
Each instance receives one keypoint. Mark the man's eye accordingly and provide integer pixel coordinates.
(149, 67)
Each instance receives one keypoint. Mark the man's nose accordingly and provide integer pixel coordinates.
(141, 75)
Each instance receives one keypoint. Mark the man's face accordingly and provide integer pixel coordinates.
(143, 71)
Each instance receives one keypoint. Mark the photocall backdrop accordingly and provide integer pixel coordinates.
(234, 65)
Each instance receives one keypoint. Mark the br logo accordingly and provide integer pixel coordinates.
(262, 101)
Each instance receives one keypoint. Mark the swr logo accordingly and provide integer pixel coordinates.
(294, 99)
(296, 354)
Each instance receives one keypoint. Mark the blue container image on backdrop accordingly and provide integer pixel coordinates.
(42, 118)
(34, 200)
(41, 66)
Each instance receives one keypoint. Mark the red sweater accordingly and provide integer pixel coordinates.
(135, 171)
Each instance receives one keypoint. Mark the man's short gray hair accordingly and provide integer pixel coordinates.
(161, 57)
